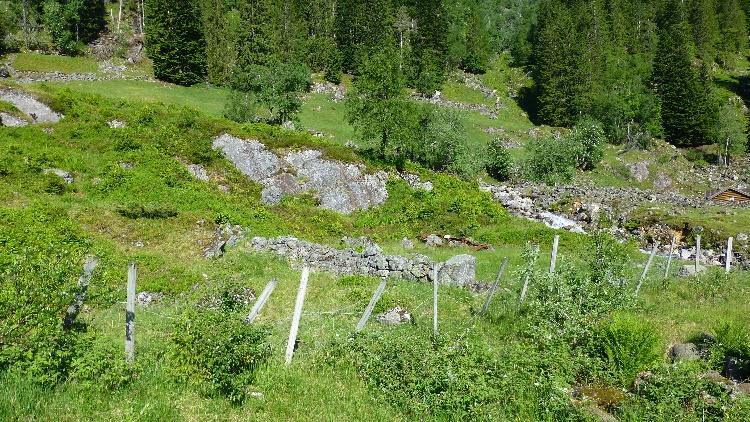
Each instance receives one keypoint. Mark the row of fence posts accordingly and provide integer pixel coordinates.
(302, 290)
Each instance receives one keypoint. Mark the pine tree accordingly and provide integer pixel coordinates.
(554, 64)
(733, 27)
(430, 45)
(685, 105)
(477, 55)
(705, 28)
(175, 41)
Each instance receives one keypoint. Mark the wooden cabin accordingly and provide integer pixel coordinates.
(730, 195)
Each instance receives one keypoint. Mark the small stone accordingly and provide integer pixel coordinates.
(407, 244)
(434, 240)
(147, 298)
(684, 352)
(197, 171)
(690, 270)
(126, 166)
(394, 316)
(4, 72)
(61, 174)
(116, 124)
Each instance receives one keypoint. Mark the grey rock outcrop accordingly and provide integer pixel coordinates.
(67, 177)
(690, 270)
(458, 270)
(639, 171)
(197, 171)
(434, 240)
(38, 111)
(371, 261)
(684, 352)
(341, 187)
(225, 235)
(11, 120)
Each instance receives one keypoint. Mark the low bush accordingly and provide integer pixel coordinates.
(217, 351)
(100, 365)
(499, 163)
(733, 339)
(586, 141)
(136, 211)
(627, 345)
(549, 161)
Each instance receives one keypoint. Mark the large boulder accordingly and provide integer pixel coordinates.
(684, 352)
(691, 270)
(639, 171)
(459, 270)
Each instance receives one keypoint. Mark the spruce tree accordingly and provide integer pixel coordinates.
(477, 55)
(175, 41)
(554, 64)
(685, 104)
(733, 27)
(705, 28)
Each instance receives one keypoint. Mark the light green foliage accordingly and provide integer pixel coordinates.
(441, 143)
(733, 339)
(730, 132)
(627, 345)
(548, 161)
(101, 365)
(587, 141)
(268, 94)
(217, 350)
(378, 108)
(499, 163)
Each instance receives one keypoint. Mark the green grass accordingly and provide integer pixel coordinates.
(209, 100)
(320, 113)
(33, 62)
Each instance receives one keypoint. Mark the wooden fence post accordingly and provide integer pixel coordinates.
(370, 306)
(669, 259)
(296, 316)
(265, 294)
(553, 260)
(697, 253)
(729, 254)
(130, 315)
(645, 270)
(83, 284)
(435, 282)
(500, 273)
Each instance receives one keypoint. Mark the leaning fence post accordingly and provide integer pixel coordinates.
(697, 253)
(494, 286)
(83, 284)
(261, 301)
(435, 281)
(669, 260)
(729, 254)
(645, 270)
(370, 306)
(296, 316)
(130, 315)
(553, 260)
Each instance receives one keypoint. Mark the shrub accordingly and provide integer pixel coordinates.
(499, 163)
(54, 184)
(627, 344)
(217, 350)
(587, 140)
(136, 211)
(549, 161)
(101, 365)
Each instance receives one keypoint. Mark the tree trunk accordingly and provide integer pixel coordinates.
(119, 17)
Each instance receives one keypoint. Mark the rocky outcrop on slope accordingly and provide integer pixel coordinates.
(38, 111)
(340, 187)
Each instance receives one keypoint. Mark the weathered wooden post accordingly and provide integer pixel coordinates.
(669, 259)
(370, 306)
(296, 316)
(500, 273)
(729, 254)
(645, 270)
(697, 253)
(83, 284)
(265, 294)
(553, 260)
(435, 282)
(130, 315)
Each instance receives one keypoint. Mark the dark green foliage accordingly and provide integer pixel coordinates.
(40, 254)
(269, 94)
(217, 350)
(430, 44)
(686, 108)
(54, 184)
(705, 26)
(175, 41)
(100, 365)
(136, 211)
(362, 27)
(441, 142)
(733, 339)
(499, 163)
(627, 345)
(477, 55)
(73, 23)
